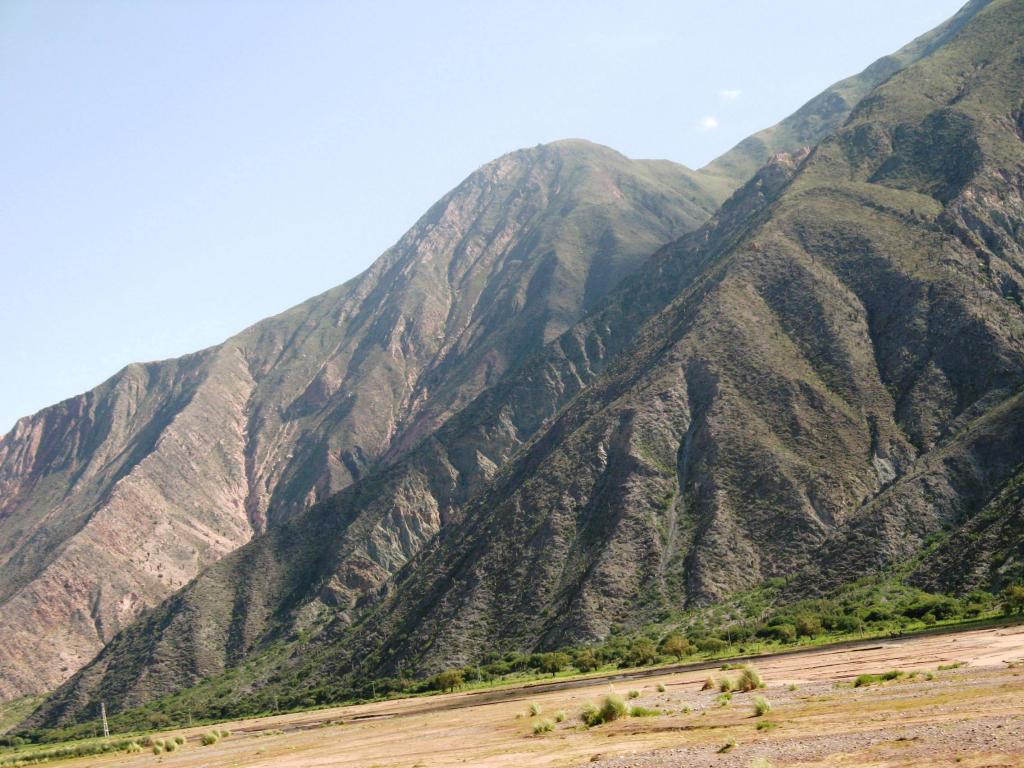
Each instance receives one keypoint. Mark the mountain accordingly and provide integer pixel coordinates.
(112, 500)
(818, 381)
(829, 109)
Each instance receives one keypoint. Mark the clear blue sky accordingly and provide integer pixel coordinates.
(171, 172)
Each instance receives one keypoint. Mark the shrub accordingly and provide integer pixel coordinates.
(543, 726)
(711, 645)
(709, 684)
(559, 716)
(661, 688)
(954, 665)
(725, 685)
(761, 706)
(729, 746)
(158, 749)
(766, 725)
(638, 711)
(784, 633)
(791, 687)
(866, 679)
(224, 734)
(170, 745)
(590, 715)
(807, 626)
(613, 708)
(534, 709)
(723, 699)
(634, 694)
(179, 740)
(133, 747)
(208, 739)
(749, 680)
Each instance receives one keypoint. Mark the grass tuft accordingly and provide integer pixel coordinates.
(761, 706)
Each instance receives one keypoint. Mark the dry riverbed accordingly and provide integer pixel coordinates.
(969, 716)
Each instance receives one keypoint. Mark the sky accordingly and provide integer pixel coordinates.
(172, 172)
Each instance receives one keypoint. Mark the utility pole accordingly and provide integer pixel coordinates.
(103, 715)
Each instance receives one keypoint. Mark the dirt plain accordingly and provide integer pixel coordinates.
(969, 716)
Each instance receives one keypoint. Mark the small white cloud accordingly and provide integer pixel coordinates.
(729, 94)
(707, 123)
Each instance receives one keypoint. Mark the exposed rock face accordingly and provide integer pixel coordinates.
(112, 500)
(821, 377)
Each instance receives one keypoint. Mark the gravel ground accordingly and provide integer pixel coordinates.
(976, 716)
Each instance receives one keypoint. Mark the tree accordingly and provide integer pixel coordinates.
(676, 645)
(587, 661)
(642, 652)
(1012, 599)
(553, 663)
(449, 680)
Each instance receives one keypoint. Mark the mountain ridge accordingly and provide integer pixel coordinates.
(111, 500)
(814, 383)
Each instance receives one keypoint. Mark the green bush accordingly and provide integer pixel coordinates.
(634, 694)
(784, 633)
(638, 711)
(209, 739)
(761, 706)
(543, 726)
(711, 645)
(749, 680)
(613, 708)
(866, 679)
(591, 715)
(559, 716)
(807, 626)
(661, 688)
(766, 725)
(534, 709)
(729, 746)
(725, 685)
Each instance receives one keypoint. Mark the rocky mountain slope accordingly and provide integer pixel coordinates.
(112, 500)
(818, 380)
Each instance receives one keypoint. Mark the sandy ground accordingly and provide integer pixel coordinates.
(970, 716)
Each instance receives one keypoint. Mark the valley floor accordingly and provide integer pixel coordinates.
(972, 715)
